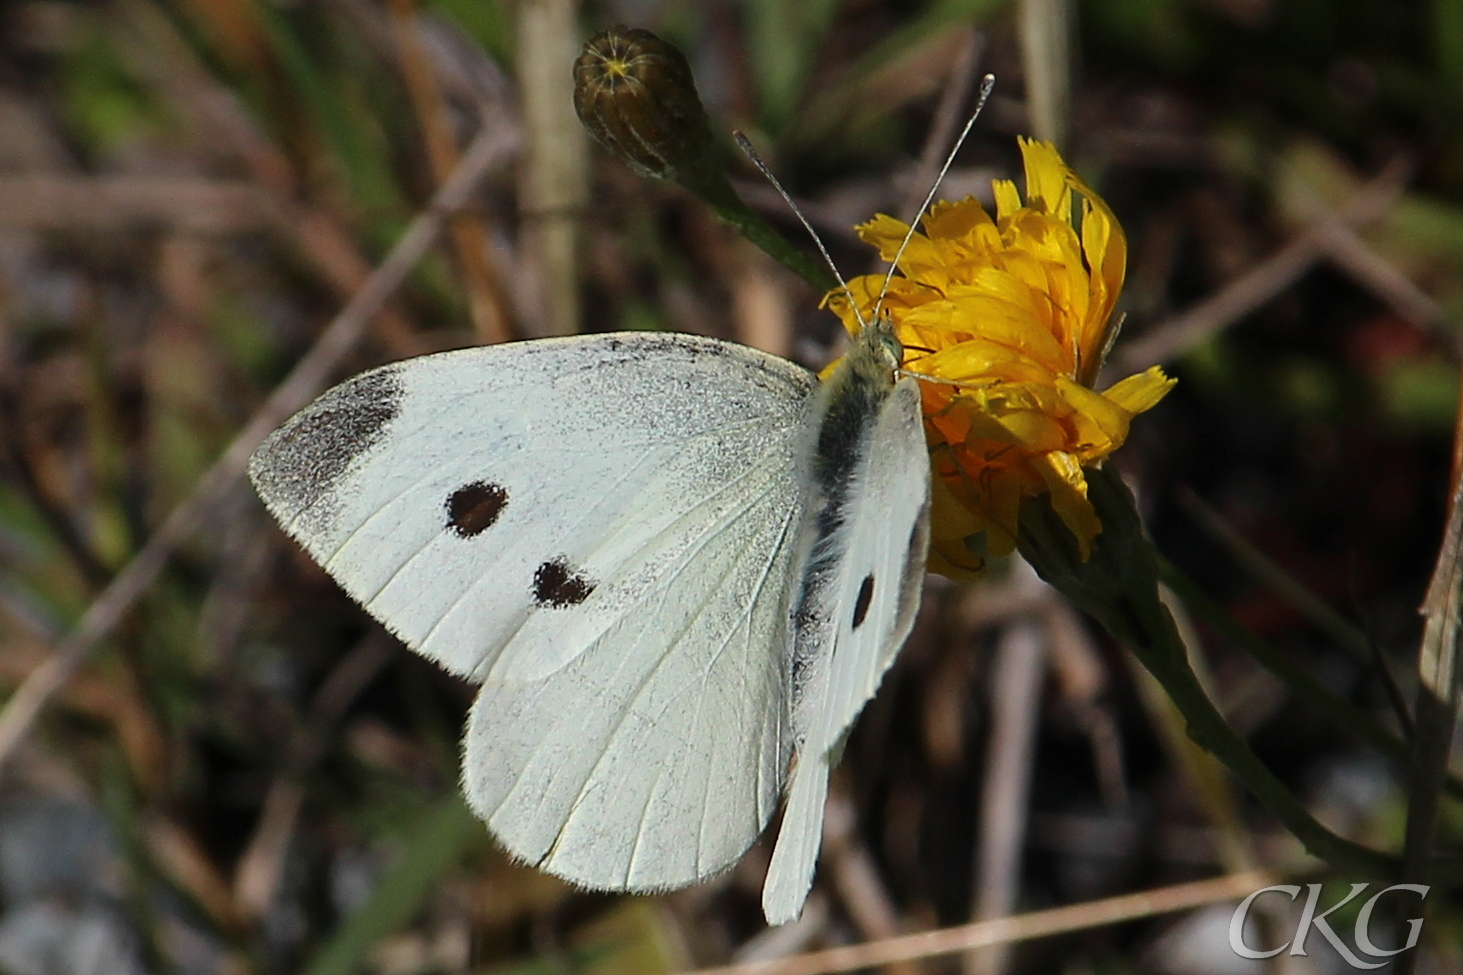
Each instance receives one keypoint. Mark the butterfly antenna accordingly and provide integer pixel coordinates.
(746, 147)
(986, 85)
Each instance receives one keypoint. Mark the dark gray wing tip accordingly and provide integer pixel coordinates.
(298, 466)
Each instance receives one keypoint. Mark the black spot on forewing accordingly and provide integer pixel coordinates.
(473, 508)
(865, 597)
(557, 585)
(296, 468)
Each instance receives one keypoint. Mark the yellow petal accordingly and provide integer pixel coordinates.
(883, 232)
(956, 535)
(922, 259)
(1046, 179)
(995, 319)
(943, 556)
(1033, 431)
(1142, 391)
(1106, 250)
(1101, 422)
(1068, 487)
(1008, 199)
(1003, 511)
(979, 361)
(952, 221)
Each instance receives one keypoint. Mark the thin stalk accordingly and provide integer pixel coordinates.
(1437, 692)
(1045, 29)
(1118, 585)
(770, 241)
(1341, 711)
(554, 176)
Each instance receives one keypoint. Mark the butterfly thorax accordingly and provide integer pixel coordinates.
(850, 396)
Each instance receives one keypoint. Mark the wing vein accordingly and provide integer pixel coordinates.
(742, 691)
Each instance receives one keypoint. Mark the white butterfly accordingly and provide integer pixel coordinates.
(677, 567)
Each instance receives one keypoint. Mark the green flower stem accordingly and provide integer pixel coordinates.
(729, 208)
(1345, 714)
(1118, 586)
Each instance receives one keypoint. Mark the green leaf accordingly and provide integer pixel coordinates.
(785, 38)
(485, 22)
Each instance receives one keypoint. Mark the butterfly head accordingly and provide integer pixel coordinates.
(876, 350)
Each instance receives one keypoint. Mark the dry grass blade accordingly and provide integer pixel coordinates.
(261, 867)
(1080, 677)
(856, 878)
(554, 174)
(151, 43)
(1260, 284)
(1008, 930)
(1436, 710)
(489, 149)
(1015, 685)
(963, 73)
(762, 313)
(1045, 27)
(469, 236)
(101, 203)
(1346, 248)
(1347, 636)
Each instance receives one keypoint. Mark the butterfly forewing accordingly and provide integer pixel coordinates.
(597, 528)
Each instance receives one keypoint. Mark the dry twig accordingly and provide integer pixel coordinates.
(469, 235)
(857, 879)
(1015, 685)
(1436, 710)
(103, 203)
(1007, 930)
(1261, 283)
(165, 60)
(963, 72)
(1346, 248)
(554, 174)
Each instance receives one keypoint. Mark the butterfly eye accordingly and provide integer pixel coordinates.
(892, 346)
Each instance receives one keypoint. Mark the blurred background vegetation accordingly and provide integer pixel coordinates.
(249, 776)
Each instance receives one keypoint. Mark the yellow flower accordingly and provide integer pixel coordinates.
(1006, 323)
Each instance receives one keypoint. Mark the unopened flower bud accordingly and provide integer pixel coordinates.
(635, 94)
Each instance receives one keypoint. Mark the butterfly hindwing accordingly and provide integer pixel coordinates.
(597, 530)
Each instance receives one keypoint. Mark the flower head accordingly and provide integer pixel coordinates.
(1006, 322)
(635, 94)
